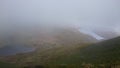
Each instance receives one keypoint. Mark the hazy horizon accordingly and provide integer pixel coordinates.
(85, 14)
(60, 33)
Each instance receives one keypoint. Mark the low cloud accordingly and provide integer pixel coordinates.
(91, 14)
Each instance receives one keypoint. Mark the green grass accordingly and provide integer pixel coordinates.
(100, 55)
(105, 53)
(8, 65)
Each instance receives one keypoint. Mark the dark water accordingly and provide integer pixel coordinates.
(15, 49)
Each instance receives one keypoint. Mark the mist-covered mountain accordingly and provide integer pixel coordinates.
(107, 34)
(49, 44)
(91, 33)
(62, 45)
(102, 54)
(51, 35)
(41, 31)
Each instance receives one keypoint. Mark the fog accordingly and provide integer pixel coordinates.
(85, 14)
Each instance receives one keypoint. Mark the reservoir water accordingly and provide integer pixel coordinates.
(15, 49)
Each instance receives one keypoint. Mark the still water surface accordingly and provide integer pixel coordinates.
(15, 49)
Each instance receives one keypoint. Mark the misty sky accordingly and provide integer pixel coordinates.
(88, 14)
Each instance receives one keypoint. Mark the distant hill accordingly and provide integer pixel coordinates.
(67, 47)
(49, 45)
(71, 48)
(107, 34)
(56, 35)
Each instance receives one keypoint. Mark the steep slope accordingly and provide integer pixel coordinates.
(52, 45)
(71, 36)
(105, 53)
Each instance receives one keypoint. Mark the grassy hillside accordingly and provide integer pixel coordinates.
(68, 50)
(106, 53)
(8, 65)
(51, 46)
